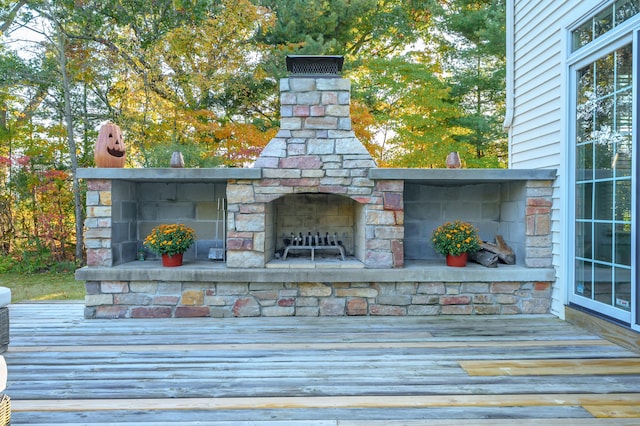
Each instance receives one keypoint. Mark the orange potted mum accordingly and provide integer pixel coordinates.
(170, 241)
(456, 240)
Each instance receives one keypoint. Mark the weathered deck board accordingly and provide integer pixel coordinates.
(551, 367)
(354, 371)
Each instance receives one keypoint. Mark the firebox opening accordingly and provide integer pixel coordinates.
(328, 219)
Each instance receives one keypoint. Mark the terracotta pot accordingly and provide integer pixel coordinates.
(172, 260)
(458, 261)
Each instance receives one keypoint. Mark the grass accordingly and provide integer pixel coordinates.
(42, 286)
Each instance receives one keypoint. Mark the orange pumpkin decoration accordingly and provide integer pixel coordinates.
(110, 149)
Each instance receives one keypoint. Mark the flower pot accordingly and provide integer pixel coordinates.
(458, 261)
(177, 160)
(453, 160)
(172, 260)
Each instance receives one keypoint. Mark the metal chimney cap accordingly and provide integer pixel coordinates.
(314, 65)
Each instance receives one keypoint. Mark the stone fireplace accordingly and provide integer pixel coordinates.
(315, 179)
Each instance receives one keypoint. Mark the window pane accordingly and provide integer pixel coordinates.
(603, 200)
(584, 242)
(604, 159)
(603, 286)
(623, 201)
(625, 9)
(623, 244)
(605, 76)
(584, 201)
(586, 102)
(604, 119)
(624, 110)
(585, 81)
(583, 278)
(603, 22)
(584, 162)
(624, 67)
(584, 128)
(603, 242)
(622, 161)
(623, 288)
(583, 35)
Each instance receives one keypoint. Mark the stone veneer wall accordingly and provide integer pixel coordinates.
(157, 299)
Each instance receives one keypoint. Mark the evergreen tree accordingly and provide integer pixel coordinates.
(472, 41)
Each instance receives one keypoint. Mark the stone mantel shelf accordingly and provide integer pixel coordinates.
(429, 176)
(170, 174)
(414, 271)
(462, 176)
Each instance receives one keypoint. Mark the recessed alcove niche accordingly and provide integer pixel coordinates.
(329, 218)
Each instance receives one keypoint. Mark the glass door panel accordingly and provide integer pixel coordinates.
(603, 188)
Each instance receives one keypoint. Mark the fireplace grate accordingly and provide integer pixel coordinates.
(313, 243)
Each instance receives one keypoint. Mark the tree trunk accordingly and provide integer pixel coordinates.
(68, 114)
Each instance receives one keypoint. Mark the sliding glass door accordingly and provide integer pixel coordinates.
(603, 155)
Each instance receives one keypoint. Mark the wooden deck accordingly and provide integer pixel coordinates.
(346, 371)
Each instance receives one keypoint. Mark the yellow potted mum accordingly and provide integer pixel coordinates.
(170, 241)
(456, 240)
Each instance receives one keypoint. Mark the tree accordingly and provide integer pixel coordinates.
(202, 76)
(50, 22)
(412, 111)
(473, 45)
(8, 12)
(354, 28)
(181, 60)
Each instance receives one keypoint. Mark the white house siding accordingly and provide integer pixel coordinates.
(537, 132)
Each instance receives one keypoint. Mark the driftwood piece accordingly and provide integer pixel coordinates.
(485, 258)
(502, 249)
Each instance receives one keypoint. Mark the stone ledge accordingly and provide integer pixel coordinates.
(170, 174)
(417, 271)
(461, 176)
(432, 176)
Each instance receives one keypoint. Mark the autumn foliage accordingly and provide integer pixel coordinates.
(202, 77)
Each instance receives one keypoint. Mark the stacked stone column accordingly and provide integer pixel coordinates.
(97, 234)
(538, 204)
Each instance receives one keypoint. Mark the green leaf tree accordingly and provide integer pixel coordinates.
(413, 112)
(472, 41)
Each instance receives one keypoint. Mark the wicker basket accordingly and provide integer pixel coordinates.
(5, 410)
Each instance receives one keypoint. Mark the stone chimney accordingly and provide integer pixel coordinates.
(315, 125)
(315, 152)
